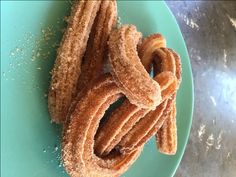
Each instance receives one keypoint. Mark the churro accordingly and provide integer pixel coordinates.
(67, 68)
(78, 137)
(128, 70)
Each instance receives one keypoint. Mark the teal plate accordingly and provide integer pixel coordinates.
(30, 33)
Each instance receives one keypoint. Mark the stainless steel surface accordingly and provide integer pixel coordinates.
(209, 29)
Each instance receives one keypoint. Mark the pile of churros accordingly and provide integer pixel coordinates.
(82, 91)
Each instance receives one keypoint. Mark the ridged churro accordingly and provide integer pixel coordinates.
(163, 59)
(67, 68)
(128, 70)
(78, 137)
(96, 52)
(127, 121)
(143, 130)
(167, 136)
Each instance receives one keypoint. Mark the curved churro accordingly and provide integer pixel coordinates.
(127, 115)
(66, 70)
(164, 60)
(78, 140)
(121, 122)
(144, 128)
(129, 72)
(96, 52)
(147, 126)
(118, 124)
(148, 47)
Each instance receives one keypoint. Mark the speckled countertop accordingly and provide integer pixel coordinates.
(209, 29)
